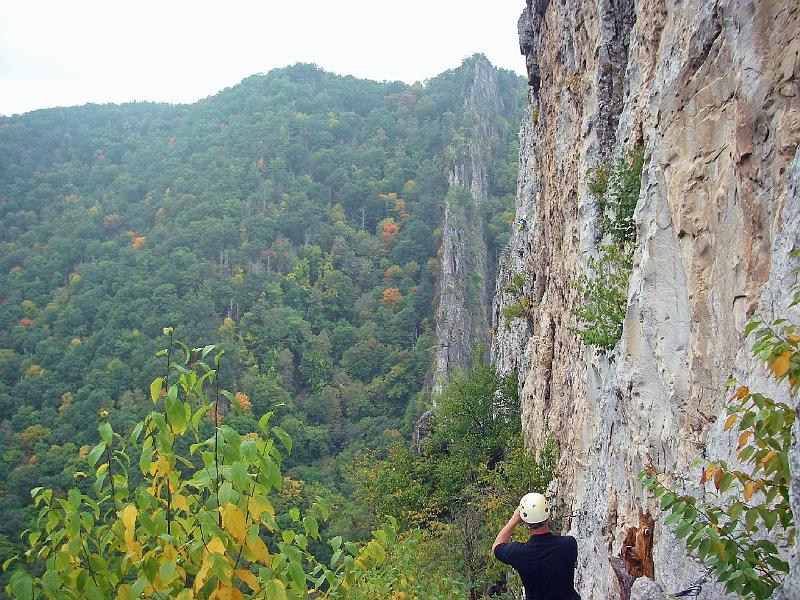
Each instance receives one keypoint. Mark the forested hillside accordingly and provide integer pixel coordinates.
(292, 219)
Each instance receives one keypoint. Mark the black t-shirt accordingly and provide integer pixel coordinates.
(546, 564)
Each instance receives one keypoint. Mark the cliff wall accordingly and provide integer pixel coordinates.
(710, 90)
(462, 314)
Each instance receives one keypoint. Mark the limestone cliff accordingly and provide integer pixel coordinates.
(462, 320)
(710, 89)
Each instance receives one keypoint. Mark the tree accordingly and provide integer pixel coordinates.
(199, 525)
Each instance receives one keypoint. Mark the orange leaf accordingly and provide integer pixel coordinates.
(743, 437)
(742, 392)
(718, 473)
(729, 422)
(749, 488)
(780, 365)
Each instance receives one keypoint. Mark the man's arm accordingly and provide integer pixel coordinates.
(505, 533)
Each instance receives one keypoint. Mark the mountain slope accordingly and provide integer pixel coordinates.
(293, 218)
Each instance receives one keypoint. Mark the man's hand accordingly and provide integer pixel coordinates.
(505, 532)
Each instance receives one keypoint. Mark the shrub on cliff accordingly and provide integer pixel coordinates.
(604, 287)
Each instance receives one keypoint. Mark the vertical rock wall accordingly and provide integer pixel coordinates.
(710, 89)
(462, 320)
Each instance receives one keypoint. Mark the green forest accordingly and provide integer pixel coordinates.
(292, 221)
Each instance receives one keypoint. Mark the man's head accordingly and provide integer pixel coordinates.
(534, 511)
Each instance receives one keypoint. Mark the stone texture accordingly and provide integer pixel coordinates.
(647, 589)
(462, 314)
(710, 89)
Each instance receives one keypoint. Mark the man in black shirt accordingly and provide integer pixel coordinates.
(546, 562)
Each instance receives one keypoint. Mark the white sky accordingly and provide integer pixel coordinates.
(67, 52)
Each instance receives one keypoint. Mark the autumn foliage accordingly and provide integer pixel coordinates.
(391, 297)
(389, 230)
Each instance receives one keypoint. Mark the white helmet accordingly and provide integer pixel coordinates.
(533, 508)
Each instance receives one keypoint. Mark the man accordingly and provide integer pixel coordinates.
(546, 562)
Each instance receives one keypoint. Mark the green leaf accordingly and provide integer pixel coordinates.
(198, 415)
(106, 433)
(167, 571)
(750, 518)
(336, 556)
(263, 422)
(137, 431)
(225, 492)
(311, 526)
(176, 412)
(777, 564)
(146, 457)
(725, 482)
(51, 583)
(284, 438)
(752, 324)
(298, 577)
(21, 586)
(770, 517)
(238, 475)
(155, 389)
(376, 551)
(96, 453)
(683, 529)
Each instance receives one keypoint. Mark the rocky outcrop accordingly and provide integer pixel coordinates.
(462, 320)
(711, 90)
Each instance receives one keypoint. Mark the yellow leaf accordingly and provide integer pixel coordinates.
(743, 437)
(229, 593)
(186, 594)
(179, 502)
(160, 467)
(169, 553)
(259, 506)
(248, 578)
(233, 522)
(259, 550)
(216, 545)
(124, 592)
(749, 488)
(729, 422)
(128, 516)
(780, 365)
(200, 578)
(794, 339)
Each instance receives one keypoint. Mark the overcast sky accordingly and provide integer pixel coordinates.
(67, 52)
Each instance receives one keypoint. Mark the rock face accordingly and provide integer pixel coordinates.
(711, 90)
(462, 315)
